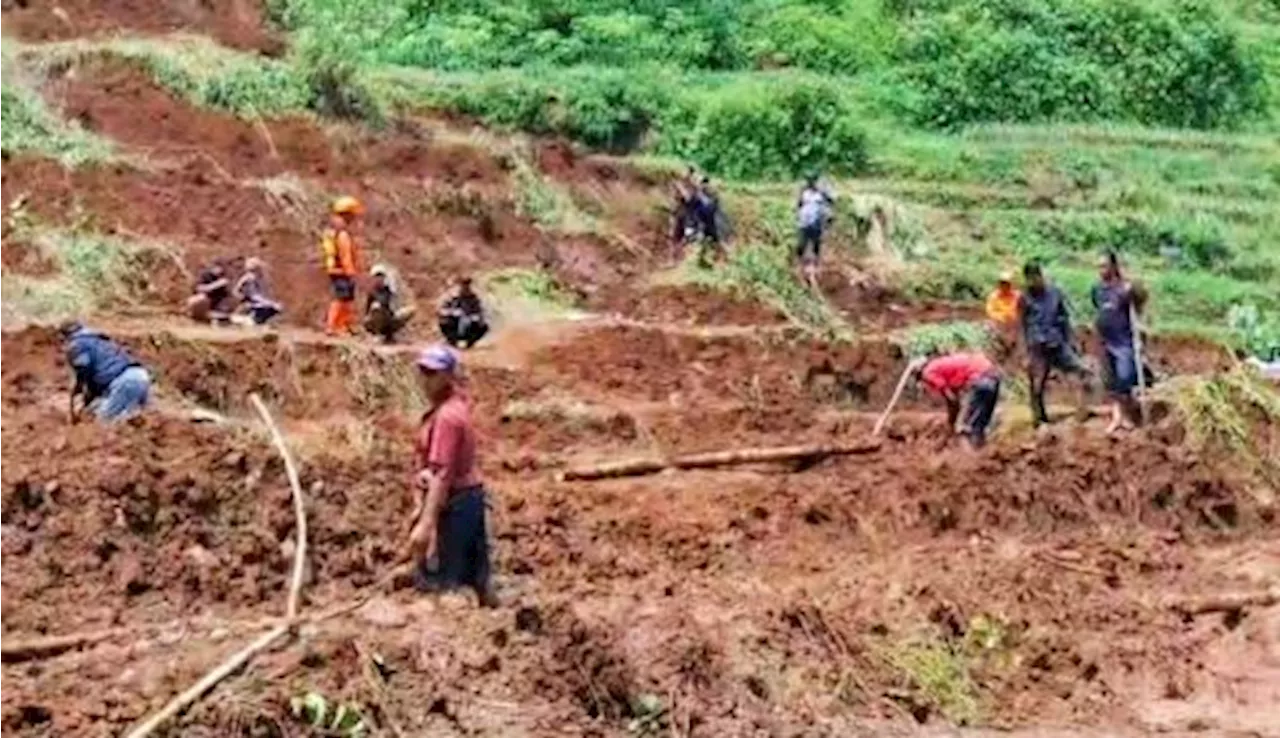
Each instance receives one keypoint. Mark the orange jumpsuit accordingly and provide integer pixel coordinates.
(342, 263)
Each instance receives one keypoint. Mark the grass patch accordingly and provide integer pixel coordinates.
(764, 272)
(31, 128)
(938, 673)
(529, 292)
(577, 415)
(383, 382)
(928, 339)
(1219, 414)
(548, 204)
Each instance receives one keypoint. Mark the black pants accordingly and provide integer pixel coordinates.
(463, 330)
(809, 245)
(1044, 358)
(462, 550)
(983, 396)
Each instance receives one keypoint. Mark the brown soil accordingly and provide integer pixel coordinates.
(771, 600)
(27, 259)
(118, 99)
(686, 304)
(239, 24)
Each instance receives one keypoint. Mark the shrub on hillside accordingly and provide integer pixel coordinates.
(774, 128)
(1041, 60)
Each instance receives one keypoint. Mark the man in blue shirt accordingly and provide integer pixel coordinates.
(813, 210)
(104, 374)
(1046, 331)
(1117, 301)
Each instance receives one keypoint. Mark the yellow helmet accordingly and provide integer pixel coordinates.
(348, 205)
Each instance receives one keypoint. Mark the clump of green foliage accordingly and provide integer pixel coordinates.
(927, 339)
(531, 286)
(1038, 60)
(30, 127)
(1218, 413)
(1257, 332)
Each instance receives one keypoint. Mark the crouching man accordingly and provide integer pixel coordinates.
(383, 315)
(462, 315)
(106, 377)
(950, 376)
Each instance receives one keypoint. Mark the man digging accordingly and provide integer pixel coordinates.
(950, 376)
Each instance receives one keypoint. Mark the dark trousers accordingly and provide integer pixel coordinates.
(463, 330)
(1044, 358)
(462, 550)
(983, 396)
(809, 245)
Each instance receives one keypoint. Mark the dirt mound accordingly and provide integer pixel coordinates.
(118, 99)
(26, 259)
(686, 304)
(656, 365)
(240, 24)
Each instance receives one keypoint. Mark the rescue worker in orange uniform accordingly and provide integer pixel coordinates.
(1002, 315)
(342, 264)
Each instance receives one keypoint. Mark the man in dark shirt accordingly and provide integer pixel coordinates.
(211, 302)
(1046, 329)
(106, 377)
(461, 315)
(382, 315)
(1117, 301)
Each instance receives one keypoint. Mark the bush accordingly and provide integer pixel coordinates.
(772, 128)
(1043, 60)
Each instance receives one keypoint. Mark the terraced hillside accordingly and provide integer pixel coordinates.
(1059, 582)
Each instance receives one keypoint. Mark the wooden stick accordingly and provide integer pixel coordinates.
(1137, 361)
(897, 393)
(241, 657)
(1227, 602)
(299, 511)
(641, 467)
(209, 681)
(42, 648)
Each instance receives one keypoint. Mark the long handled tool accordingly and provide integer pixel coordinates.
(897, 393)
(1137, 361)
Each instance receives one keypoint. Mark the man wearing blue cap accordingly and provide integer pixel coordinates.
(105, 374)
(449, 541)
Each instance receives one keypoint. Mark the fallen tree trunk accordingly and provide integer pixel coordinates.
(1227, 602)
(641, 467)
(43, 648)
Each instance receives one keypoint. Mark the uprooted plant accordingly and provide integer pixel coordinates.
(1220, 414)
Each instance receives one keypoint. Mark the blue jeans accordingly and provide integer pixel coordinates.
(125, 395)
(1121, 369)
(462, 549)
(983, 395)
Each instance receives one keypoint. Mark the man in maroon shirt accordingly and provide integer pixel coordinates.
(449, 540)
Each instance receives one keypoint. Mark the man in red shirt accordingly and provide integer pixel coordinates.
(948, 376)
(449, 541)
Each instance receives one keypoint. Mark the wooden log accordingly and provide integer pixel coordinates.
(1228, 602)
(897, 394)
(299, 510)
(641, 467)
(43, 648)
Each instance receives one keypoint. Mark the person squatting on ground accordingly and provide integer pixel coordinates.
(949, 376)
(211, 302)
(1046, 331)
(448, 540)
(813, 212)
(382, 317)
(1002, 314)
(251, 288)
(106, 376)
(342, 264)
(461, 315)
(1117, 301)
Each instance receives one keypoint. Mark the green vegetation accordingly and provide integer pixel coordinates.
(939, 673)
(547, 203)
(927, 339)
(1256, 333)
(1219, 413)
(30, 127)
(520, 291)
